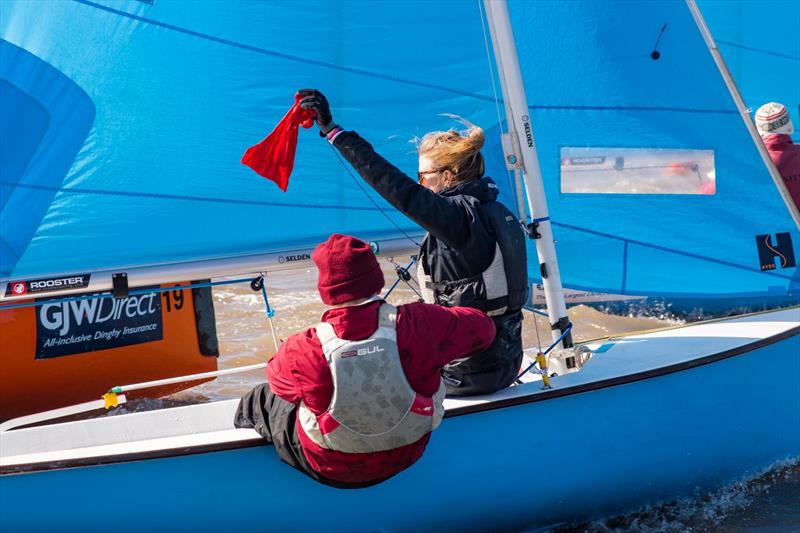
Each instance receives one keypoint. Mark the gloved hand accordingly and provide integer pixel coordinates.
(316, 101)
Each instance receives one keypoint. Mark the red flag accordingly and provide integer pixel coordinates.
(273, 158)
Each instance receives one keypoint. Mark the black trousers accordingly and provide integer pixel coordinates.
(274, 419)
(492, 370)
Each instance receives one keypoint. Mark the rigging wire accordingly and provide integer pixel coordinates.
(270, 312)
(499, 123)
(357, 182)
(135, 292)
(484, 22)
(491, 70)
(538, 339)
(547, 351)
(536, 322)
(402, 275)
(494, 93)
(535, 311)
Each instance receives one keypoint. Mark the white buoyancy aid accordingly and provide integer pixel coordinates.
(501, 288)
(373, 407)
(493, 280)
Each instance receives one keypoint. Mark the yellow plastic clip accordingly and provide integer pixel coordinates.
(541, 360)
(110, 399)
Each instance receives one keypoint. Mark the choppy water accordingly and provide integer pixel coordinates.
(769, 502)
(245, 335)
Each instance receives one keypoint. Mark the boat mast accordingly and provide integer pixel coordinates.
(526, 158)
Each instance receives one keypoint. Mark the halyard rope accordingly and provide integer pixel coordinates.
(380, 209)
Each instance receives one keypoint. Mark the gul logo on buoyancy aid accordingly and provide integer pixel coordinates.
(502, 286)
(373, 407)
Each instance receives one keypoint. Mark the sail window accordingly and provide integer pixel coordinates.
(637, 171)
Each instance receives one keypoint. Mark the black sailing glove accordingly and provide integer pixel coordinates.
(316, 101)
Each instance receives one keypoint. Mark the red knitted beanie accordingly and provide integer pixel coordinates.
(348, 270)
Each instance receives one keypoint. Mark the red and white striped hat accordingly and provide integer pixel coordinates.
(773, 118)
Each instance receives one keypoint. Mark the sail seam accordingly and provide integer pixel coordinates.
(78, 190)
(633, 108)
(758, 50)
(280, 55)
(365, 72)
(671, 250)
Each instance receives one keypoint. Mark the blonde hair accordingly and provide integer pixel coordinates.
(460, 152)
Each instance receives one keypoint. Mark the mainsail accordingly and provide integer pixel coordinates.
(131, 118)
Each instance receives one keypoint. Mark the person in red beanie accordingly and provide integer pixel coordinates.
(352, 401)
(775, 127)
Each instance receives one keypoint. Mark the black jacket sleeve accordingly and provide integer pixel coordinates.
(439, 215)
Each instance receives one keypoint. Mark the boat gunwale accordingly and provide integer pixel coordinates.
(501, 403)
(626, 378)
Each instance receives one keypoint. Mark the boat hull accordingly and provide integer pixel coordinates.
(525, 462)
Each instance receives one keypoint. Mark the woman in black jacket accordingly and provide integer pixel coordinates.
(474, 252)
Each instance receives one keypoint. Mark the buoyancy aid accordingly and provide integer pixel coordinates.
(503, 286)
(373, 407)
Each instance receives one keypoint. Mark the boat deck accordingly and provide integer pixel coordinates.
(620, 357)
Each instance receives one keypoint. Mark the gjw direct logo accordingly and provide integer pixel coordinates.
(64, 316)
(777, 253)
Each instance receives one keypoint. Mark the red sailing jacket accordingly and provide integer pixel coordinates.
(428, 337)
(786, 156)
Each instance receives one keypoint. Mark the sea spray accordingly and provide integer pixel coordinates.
(766, 500)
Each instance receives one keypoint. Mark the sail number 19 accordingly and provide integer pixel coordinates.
(173, 298)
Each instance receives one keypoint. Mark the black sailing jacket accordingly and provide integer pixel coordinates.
(465, 224)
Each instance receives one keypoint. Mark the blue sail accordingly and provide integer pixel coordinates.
(124, 122)
(633, 122)
(130, 118)
(760, 41)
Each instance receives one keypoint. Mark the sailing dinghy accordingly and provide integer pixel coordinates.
(651, 417)
(639, 419)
